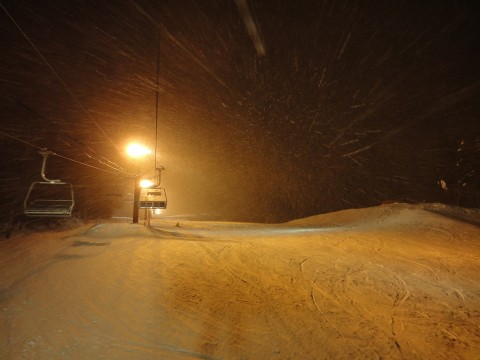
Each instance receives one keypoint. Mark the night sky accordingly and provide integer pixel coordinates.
(267, 110)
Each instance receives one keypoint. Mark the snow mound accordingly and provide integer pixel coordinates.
(471, 216)
(392, 214)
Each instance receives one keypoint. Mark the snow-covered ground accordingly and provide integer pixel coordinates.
(396, 282)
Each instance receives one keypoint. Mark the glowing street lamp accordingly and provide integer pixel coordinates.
(136, 151)
(145, 183)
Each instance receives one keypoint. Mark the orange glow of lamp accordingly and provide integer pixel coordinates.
(135, 150)
(145, 183)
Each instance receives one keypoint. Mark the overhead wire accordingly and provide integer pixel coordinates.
(113, 166)
(58, 155)
(156, 99)
(116, 167)
(60, 79)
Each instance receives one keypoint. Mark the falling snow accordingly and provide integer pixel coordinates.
(268, 111)
(261, 111)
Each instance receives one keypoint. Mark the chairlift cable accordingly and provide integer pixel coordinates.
(115, 165)
(58, 155)
(59, 78)
(84, 164)
(156, 102)
(23, 141)
(154, 198)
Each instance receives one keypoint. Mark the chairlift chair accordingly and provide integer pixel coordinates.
(153, 198)
(49, 198)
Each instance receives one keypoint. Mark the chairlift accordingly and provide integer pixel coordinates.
(154, 197)
(49, 198)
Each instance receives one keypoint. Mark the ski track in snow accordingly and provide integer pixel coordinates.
(393, 281)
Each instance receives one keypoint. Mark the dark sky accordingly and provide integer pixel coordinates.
(326, 105)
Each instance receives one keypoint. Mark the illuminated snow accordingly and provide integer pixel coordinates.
(396, 281)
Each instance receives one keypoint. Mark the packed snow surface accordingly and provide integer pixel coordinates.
(396, 281)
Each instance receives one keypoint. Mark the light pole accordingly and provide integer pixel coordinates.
(136, 199)
(137, 151)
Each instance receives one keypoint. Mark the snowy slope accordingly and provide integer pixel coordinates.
(395, 281)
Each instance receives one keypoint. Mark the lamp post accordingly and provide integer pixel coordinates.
(137, 151)
(136, 199)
